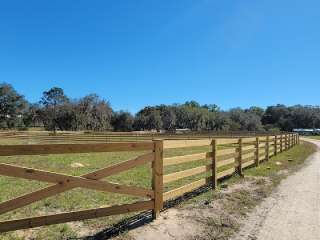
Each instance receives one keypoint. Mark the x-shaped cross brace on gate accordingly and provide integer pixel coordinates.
(66, 182)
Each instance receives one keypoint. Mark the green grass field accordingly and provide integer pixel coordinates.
(314, 137)
(285, 161)
(78, 199)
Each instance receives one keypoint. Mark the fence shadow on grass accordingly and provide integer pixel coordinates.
(142, 218)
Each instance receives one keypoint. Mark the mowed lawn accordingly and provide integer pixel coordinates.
(77, 199)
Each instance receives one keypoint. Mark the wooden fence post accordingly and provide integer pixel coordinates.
(293, 139)
(267, 148)
(275, 145)
(286, 141)
(214, 164)
(157, 177)
(257, 152)
(281, 142)
(290, 140)
(240, 158)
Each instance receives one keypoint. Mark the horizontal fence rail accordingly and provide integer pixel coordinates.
(225, 157)
(45, 137)
(215, 159)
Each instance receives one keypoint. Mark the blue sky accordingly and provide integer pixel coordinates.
(147, 52)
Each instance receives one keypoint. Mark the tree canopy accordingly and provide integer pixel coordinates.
(13, 106)
(56, 111)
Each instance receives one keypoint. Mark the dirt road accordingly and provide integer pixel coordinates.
(292, 212)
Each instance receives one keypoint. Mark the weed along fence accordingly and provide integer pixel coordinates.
(174, 172)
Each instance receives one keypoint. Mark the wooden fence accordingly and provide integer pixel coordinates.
(228, 156)
(224, 158)
(44, 137)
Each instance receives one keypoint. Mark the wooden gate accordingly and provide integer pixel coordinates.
(62, 183)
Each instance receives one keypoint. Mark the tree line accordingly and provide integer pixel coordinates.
(56, 111)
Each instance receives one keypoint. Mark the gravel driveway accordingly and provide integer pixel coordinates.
(292, 212)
